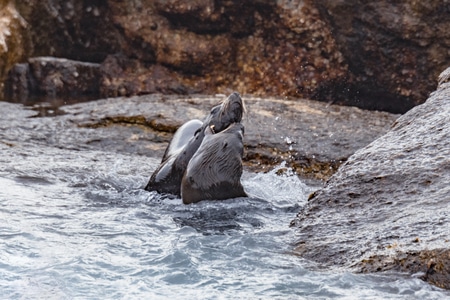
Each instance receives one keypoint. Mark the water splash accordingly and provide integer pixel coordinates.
(87, 229)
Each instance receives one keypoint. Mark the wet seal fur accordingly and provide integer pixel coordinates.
(187, 140)
(215, 170)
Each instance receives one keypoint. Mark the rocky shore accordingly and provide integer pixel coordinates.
(371, 54)
(313, 138)
(387, 207)
(385, 203)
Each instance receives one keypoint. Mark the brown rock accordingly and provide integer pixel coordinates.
(78, 30)
(122, 76)
(395, 50)
(14, 45)
(371, 54)
(259, 48)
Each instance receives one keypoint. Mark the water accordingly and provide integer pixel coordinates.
(83, 230)
(77, 224)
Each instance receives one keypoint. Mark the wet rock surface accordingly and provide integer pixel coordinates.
(387, 207)
(312, 137)
(372, 54)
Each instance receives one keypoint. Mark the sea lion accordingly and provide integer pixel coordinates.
(215, 170)
(167, 177)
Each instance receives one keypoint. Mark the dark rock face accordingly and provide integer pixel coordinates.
(79, 30)
(53, 76)
(122, 76)
(394, 50)
(397, 189)
(371, 54)
(249, 46)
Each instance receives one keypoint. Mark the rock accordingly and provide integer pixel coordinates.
(122, 76)
(396, 189)
(78, 30)
(371, 54)
(14, 45)
(53, 77)
(255, 47)
(18, 85)
(394, 50)
(312, 137)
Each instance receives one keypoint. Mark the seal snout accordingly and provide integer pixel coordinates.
(232, 109)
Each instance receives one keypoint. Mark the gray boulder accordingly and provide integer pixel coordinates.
(387, 207)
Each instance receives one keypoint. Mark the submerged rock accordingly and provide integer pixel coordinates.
(387, 207)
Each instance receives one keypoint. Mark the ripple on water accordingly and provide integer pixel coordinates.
(95, 233)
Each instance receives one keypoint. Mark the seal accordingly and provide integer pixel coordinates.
(175, 158)
(187, 139)
(214, 171)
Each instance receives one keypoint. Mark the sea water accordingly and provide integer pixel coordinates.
(78, 225)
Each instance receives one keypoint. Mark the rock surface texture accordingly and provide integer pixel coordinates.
(395, 49)
(397, 188)
(373, 54)
(52, 76)
(13, 41)
(312, 137)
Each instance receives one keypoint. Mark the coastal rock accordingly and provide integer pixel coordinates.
(372, 54)
(52, 77)
(257, 47)
(122, 76)
(394, 50)
(311, 137)
(387, 207)
(14, 45)
(77, 30)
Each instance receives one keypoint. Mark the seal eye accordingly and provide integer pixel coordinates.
(225, 144)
